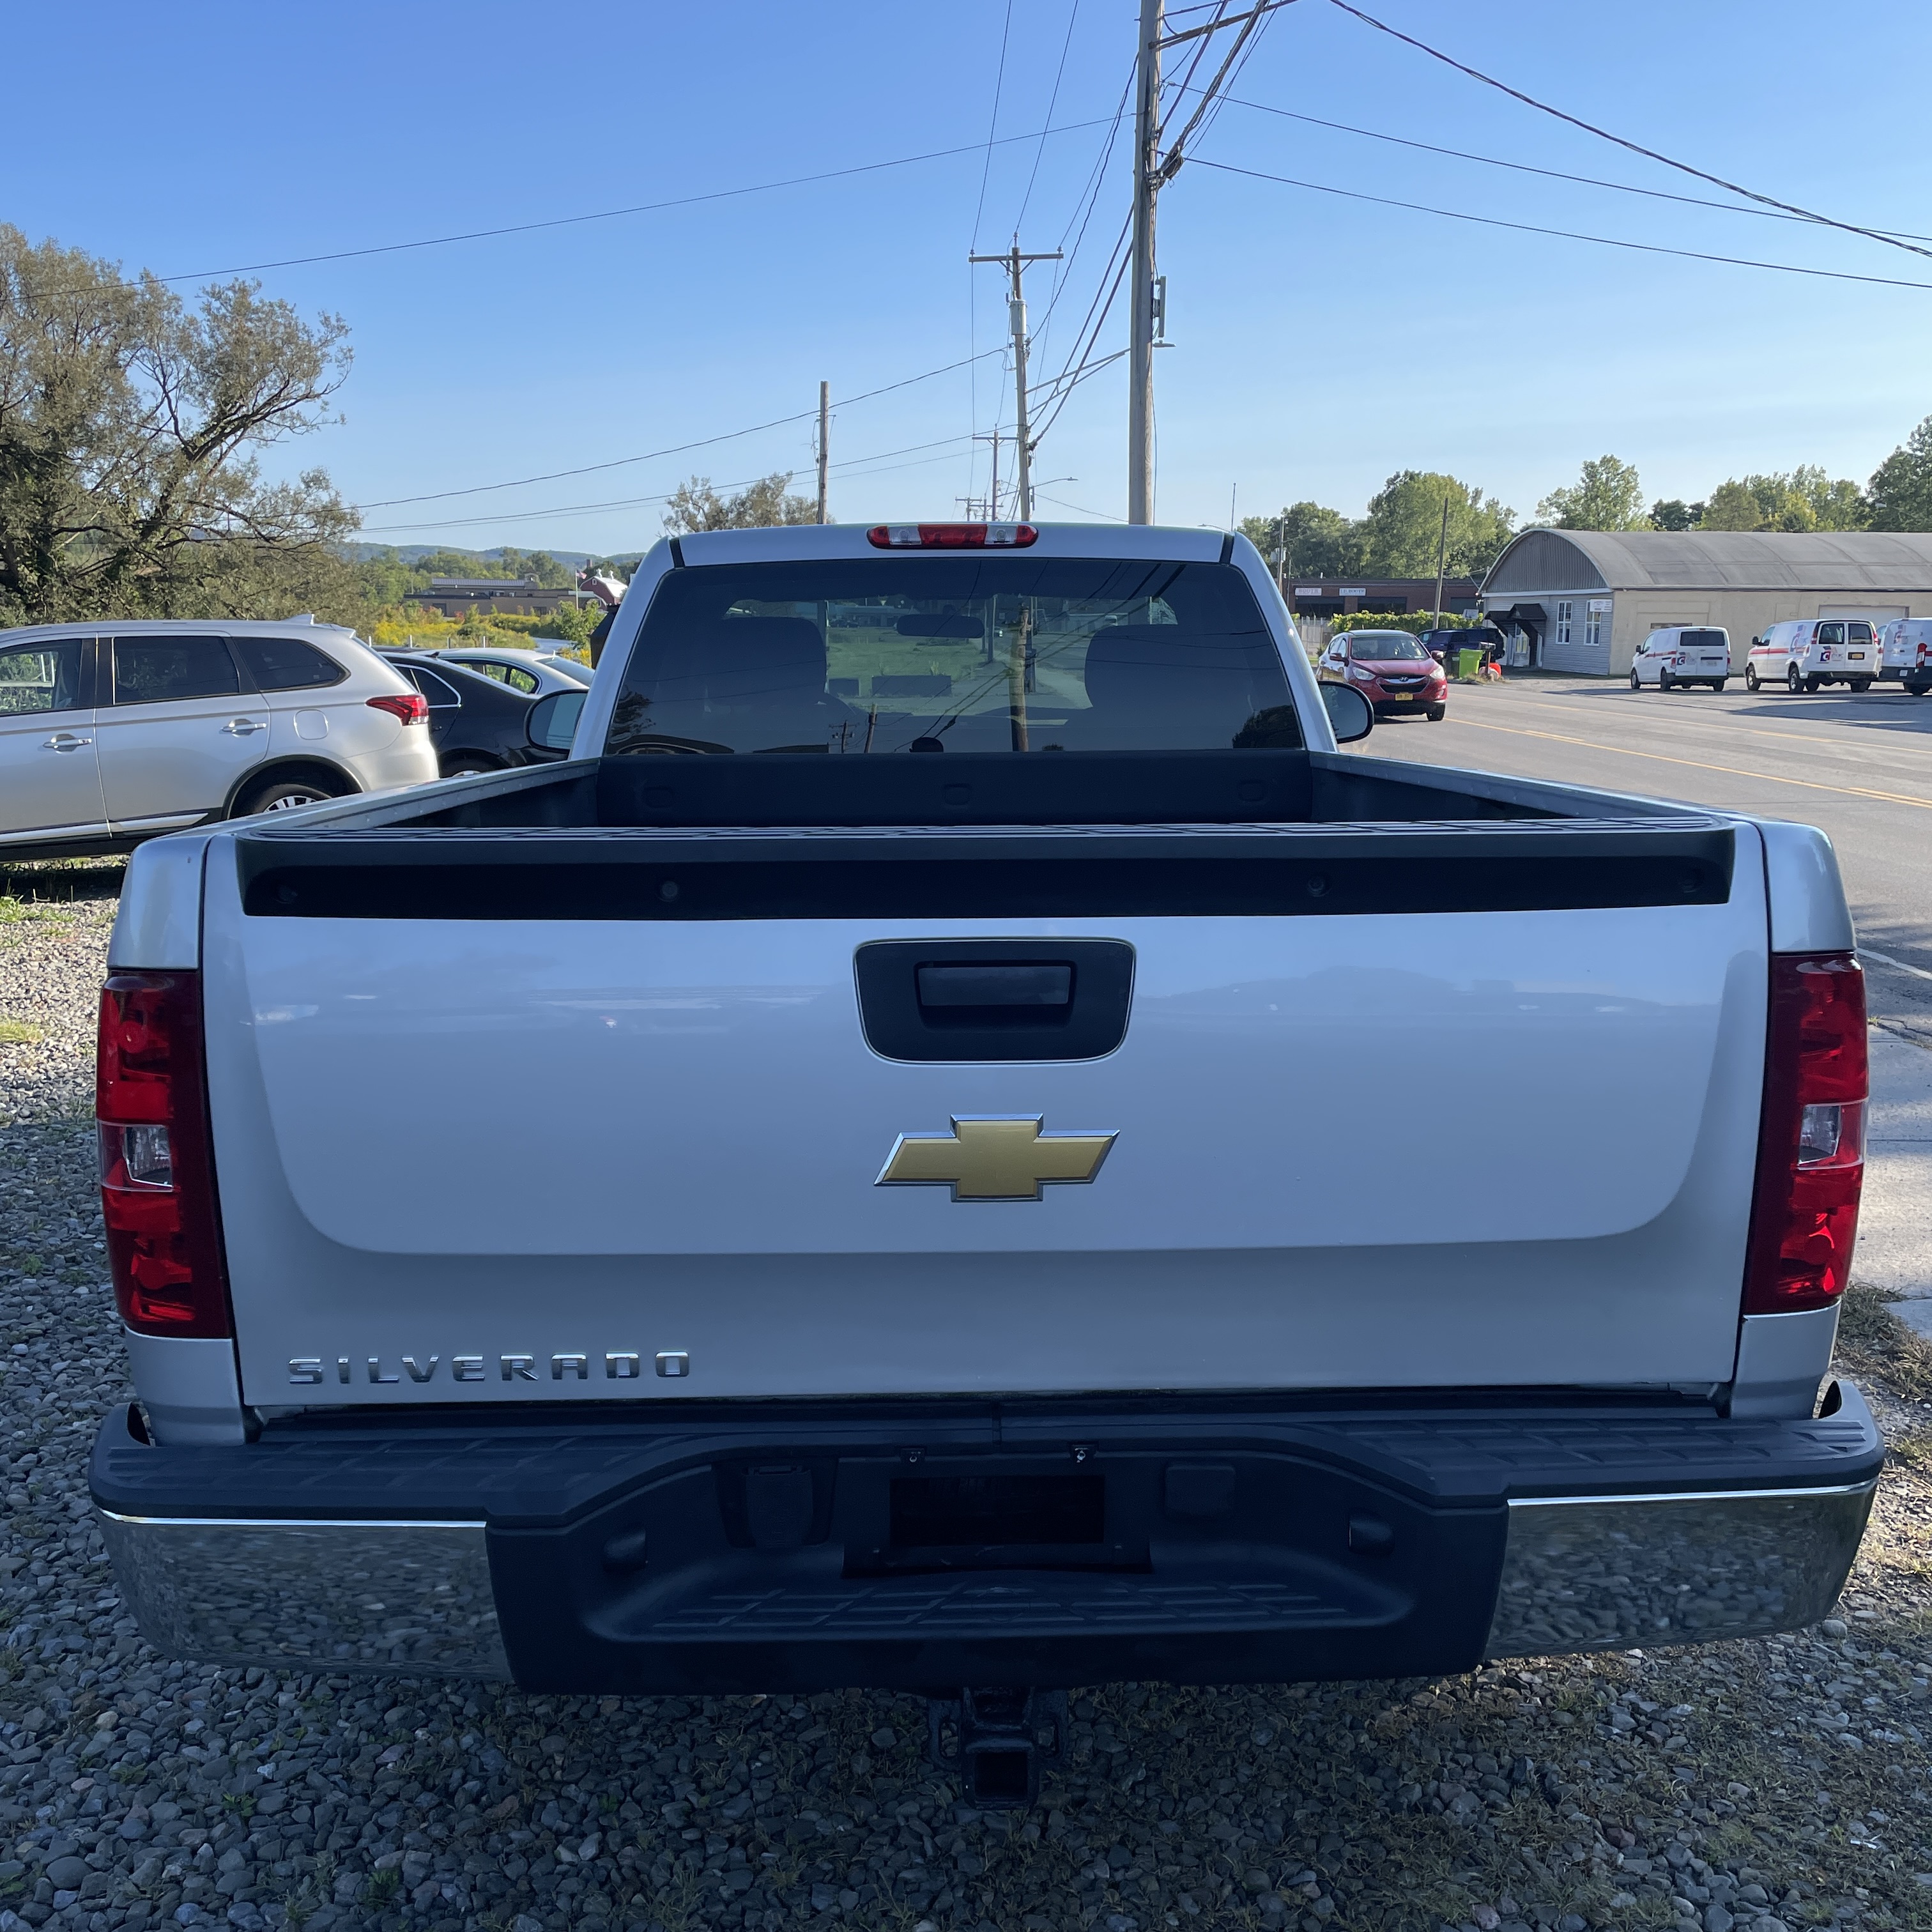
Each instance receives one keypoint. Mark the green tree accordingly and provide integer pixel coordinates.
(1899, 493)
(571, 623)
(1837, 503)
(1807, 499)
(1606, 497)
(538, 566)
(1733, 505)
(1402, 529)
(1320, 542)
(697, 506)
(130, 430)
(1672, 513)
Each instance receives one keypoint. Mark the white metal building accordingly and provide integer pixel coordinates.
(1584, 600)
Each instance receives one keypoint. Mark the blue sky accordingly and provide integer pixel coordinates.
(1321, 344)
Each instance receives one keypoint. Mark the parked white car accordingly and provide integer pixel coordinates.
(1683, 654)
(1905, 652)
(110, 732)
(535, 674)
(1803, 655)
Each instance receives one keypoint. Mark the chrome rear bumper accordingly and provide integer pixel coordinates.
(405, 1599)
(1244, 1543)
(1609, 1573)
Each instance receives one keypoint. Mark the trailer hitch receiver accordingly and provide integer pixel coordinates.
(996, 1740)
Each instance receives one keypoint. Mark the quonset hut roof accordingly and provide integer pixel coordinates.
(1826, 560)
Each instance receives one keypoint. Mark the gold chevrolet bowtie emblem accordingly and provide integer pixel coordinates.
(993, 1157)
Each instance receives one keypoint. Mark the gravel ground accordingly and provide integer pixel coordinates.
(1757, 1785)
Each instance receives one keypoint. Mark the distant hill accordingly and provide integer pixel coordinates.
(361, 553)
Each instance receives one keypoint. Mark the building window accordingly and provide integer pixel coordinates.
(1593, 626)
(1564, 612)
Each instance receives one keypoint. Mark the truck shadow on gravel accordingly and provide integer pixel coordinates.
(1752, 1784)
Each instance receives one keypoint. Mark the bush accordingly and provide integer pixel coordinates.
(397, 626)
(1414, 622)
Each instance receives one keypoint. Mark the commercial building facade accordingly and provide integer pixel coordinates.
(1584, 600)
(1334, 596)
(493, 596)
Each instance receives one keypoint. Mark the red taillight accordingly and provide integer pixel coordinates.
(157, 1172)
(1810, 1153)
(411, 706)
(951, 536)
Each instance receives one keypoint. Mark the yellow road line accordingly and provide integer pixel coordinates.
(1754, 730)
(1698, 764)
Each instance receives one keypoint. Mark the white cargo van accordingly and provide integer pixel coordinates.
(1683, 654)
(1811, 652)
(1905, 652)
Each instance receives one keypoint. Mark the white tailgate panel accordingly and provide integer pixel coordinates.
(1365, 1151)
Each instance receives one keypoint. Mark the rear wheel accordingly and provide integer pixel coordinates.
(1861, 685)
(1811, 684)
(468, 765)
(1717, 684)
(283, 794)
(1663, 680)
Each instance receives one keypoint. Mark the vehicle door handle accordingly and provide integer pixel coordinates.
(240, 727)
(64, 741)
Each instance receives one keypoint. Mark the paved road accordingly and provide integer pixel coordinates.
(1861, 768)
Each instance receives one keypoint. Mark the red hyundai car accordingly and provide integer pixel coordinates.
(1391, 670)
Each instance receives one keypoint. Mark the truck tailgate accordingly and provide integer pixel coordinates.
(1451, 1125)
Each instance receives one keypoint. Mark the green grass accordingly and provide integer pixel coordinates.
(18, 1033)
(1872, 1341)
(44, 888)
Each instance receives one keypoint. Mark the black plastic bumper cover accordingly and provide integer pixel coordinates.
(923, 1547)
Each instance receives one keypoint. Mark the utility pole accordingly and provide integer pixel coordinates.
(1140, 329)
(1442, 558)
(990, 503)
(1014, 262)
(1147, 325)
(824, 435)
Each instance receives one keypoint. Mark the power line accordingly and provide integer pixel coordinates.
(993, 125)
(1052, 102)
(1524, 168)
(639, 208)
(1090, 197)
(661, 496)
(675, 449)
(1566, 234)
(1086, 368)
(1105, 515)
(1649, 154)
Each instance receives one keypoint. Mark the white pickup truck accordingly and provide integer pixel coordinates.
(958, 1142)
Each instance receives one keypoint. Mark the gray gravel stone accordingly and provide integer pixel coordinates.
(1554, 1795)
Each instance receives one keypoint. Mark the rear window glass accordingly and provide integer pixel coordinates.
(286, 664)
(438, 692)
(953, 653)
(1714, 640)
(515, 676)
(1383, 646)
(155, 670)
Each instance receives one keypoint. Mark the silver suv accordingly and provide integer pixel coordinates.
(110, 732)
